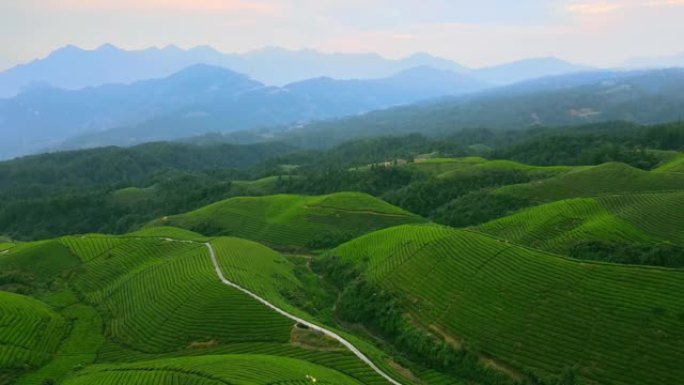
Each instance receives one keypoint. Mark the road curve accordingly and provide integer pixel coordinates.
(293, 317)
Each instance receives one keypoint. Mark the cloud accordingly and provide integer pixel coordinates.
(590, 7)
(175, 5)
(595, 8)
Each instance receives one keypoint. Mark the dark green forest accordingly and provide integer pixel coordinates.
(114, 190)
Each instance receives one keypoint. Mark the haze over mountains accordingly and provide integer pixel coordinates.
(65, 103)
(201, 99)
(72, 67)
(643, 97)
(668, 61)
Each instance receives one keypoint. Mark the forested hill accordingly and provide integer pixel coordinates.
(116, 189)
(644, 97)
(112, 166)
(73, 191)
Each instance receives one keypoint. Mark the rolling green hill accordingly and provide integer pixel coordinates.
(122, 300)
(30, 331)
(294, 220)
(138, 283)
(608, 178)
(556, 226)
(527, 310)
(675, 165)
(261, 186)
(36, 262)
(455, 167)
(167, 232)
(244, 369)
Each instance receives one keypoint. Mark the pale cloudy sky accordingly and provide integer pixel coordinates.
(474, 33)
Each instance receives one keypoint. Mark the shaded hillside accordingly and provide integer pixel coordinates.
(608, 178)
(534, 313)
(641, 97)
(291, 220)
(198, 100)
(650, 220)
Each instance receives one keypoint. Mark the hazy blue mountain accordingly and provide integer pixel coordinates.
(641, 97)
(527, 69)
(344, 97)
(73, 68)
(431, 80)
(280, 66)
(44, 116)
(198, 100)
(670, 61)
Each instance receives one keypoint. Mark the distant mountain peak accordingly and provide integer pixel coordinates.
(108, 47)
(67, 49)
(205, 70)
(526, 69)
(172, 48)
(422, 55)
(206, 76)
(421, 69)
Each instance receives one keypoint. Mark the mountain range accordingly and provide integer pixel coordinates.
(204, 99)
(668, 61)
(201, 99)
(77, 98)
(72, 68)
(642, 97)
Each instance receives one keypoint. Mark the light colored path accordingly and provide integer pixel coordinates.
(293, 317)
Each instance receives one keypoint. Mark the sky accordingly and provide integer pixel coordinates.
(473, 33)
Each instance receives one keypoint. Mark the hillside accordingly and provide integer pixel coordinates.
(198, 100)
(629, 218)
(243, 369)
(531, 312)
(609, 178)
(115, 190)
(642, 97)
(294, 220)
(30, 332)
(675, 165)
(273, 66)
(460, 167)
(142, 301)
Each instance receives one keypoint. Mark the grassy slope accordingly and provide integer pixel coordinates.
(674, 165)
(293, 220)
(158, 296)
(78, 349)
(213, 370)
(142, 298)
(167, 232)
(455, 167)
(260, 186)
(617, 324)
(556, 226)
(608, 178)
(38, 261)
(506, 165)
(256, 268)
(30, 331)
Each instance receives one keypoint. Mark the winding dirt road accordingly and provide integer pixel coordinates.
(293, 317)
